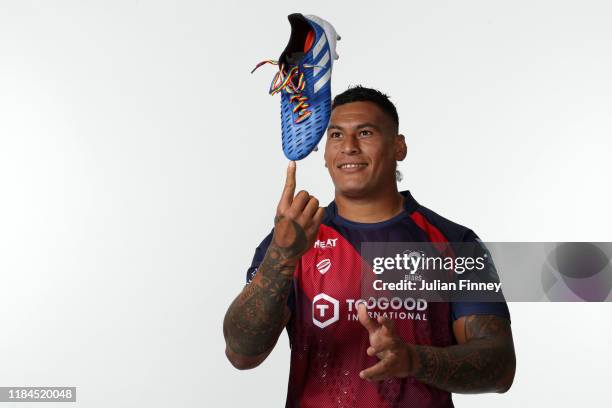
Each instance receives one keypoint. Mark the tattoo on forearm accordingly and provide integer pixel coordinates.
(479, 365)
(256, 318)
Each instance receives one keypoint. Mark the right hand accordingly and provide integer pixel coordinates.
(297, 219)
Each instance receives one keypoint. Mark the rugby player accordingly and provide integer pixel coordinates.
(305, 277)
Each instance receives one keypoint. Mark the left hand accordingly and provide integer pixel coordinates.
(395, 355)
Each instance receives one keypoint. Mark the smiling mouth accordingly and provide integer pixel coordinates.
(352, 167)
(347, 166)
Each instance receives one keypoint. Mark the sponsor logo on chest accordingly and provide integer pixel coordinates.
(326, 309)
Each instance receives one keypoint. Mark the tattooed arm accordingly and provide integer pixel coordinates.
(256, 318)
(483, 361)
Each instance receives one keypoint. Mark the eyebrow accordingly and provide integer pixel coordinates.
(359, 126)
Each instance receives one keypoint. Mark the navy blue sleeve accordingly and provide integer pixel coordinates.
(260, 253)
(460, 309)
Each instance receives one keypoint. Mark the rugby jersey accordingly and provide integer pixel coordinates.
(328, 344)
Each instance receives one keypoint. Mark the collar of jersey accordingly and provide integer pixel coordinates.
(410, 205)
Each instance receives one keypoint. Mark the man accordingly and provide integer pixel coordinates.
(305, 276)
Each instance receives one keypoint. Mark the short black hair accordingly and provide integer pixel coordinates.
(360, 93)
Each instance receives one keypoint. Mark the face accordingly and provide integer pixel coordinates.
(362, 149)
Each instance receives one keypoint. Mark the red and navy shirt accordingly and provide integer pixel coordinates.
(328, 344)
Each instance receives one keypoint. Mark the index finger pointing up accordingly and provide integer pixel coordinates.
(289, 190)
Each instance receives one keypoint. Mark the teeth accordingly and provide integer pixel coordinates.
(352, 166)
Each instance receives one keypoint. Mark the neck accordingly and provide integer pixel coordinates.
(369, 209)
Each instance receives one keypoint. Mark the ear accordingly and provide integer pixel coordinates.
(400, 147)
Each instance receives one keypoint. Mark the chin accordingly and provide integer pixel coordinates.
(353, 189)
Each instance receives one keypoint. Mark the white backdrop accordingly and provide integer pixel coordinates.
(140, 165)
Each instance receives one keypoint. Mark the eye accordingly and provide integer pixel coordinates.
(335, 135)
(365, 133)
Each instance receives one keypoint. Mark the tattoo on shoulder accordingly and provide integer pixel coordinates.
(477, 327)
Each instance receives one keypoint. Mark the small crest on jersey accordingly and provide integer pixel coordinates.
(324, 265)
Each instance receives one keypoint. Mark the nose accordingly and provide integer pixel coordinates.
(350, 145)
